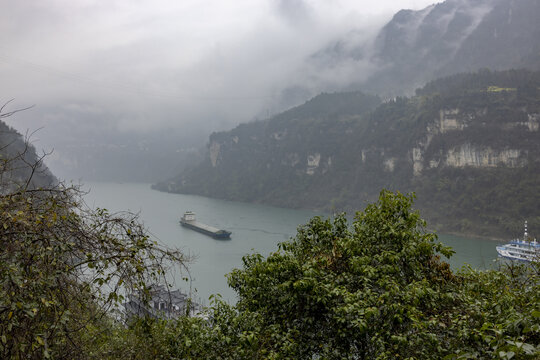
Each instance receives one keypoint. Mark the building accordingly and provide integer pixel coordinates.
(163, 304)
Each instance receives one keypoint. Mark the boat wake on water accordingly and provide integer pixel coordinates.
(286, 236)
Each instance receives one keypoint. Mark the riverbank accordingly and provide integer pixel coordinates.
(255, 228)
(450, 227)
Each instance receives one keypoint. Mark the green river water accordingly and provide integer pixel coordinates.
(254, 227)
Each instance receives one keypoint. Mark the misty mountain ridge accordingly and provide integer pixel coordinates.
(410, 50)
(443, 39)
(468, 145)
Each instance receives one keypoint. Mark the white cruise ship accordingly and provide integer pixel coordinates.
(526, 249)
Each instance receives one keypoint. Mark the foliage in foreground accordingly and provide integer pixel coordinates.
(377, 290)
(63, 269)
(374, 290)
(380, 291)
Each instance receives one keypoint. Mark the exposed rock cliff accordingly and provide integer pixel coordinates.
(438, 143)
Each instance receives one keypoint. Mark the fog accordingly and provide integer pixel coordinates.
(160, 76)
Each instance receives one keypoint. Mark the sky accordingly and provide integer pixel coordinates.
(137, 65)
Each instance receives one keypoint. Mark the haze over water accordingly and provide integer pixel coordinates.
(254, 227)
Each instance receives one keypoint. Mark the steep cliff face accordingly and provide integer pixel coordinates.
(482, 125)
(434, 34)
(263, 161)
(446, 38)
(468, 154)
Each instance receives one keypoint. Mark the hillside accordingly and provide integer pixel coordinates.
(20, 165)
(392, 59)
(454, 36)
(468, 145)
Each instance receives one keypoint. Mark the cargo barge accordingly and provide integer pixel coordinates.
(189, 221)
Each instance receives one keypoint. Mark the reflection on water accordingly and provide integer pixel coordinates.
(255, 227)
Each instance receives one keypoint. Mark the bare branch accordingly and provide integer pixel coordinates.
(8, 114)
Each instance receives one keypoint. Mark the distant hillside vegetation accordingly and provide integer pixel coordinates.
(20, 166)
(468, 145)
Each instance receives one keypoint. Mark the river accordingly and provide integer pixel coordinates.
(255, 227)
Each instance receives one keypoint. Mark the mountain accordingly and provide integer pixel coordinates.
(468, 145)
(20, 165)
(412, 48)
(268, 161)
(446, 38)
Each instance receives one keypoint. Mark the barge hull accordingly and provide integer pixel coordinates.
(206, 229)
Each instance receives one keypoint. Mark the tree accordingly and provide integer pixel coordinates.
(64, 268)
(375, 290)
(380, 291)
(20, 165)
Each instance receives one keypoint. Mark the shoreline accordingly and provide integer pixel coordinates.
(471, 235)
(436, 228)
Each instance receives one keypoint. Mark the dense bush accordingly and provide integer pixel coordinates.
(64, 268)
(376, 290)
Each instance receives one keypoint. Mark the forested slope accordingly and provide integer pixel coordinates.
(468, 145)
(20, 165)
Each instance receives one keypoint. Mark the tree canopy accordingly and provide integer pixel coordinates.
(64, 268)
(381, 291)
(374, 289)
(377, 289)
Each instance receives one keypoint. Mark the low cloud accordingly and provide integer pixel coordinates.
(196, 66)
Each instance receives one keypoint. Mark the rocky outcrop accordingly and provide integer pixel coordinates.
(468, 155)
(214, 152)
(389, 164)
(313, 161)
(448, 121)
(533, 122)
(455, 131)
